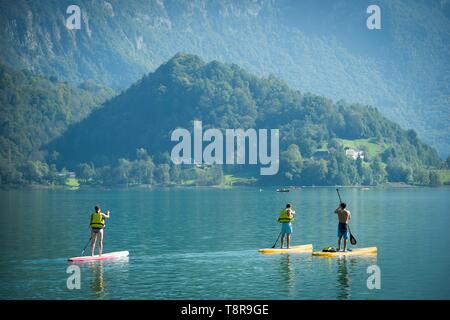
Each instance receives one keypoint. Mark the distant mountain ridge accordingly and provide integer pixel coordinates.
(320, 47)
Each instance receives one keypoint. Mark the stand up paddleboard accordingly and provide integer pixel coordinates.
(105, 256)
(293, 249)
(369, 250)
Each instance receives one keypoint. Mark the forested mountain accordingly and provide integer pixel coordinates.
(140, 120)
(33, 111)
(316, 46)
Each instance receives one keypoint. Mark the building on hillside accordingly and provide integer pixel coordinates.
(354, 154)
(67, 174)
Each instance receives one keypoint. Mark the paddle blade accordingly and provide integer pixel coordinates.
(352, 240)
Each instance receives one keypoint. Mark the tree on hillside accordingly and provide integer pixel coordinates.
(85, 171)
(291, 163)
(162, 174)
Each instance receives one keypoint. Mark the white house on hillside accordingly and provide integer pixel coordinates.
(354, 154)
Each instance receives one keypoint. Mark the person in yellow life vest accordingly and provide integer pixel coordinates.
(285, 218)
(97, 224)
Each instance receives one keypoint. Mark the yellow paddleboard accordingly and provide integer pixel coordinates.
(293, 249)
(369, 250)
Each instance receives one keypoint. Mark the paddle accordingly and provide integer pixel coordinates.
(352, 238)
(339, 195)
(82, 252)
(276, 241)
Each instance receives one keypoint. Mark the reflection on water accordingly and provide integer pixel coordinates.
(343, 279)
(287, 273)
(97, 284)
(100, 271)
(345, 267)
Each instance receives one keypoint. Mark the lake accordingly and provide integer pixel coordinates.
(201, 243)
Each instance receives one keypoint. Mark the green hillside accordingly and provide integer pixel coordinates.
(33, 111)
(225, 96)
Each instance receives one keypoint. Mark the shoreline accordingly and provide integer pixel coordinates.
(220, 187)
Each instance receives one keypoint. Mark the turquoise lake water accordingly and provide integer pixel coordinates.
(201, 243)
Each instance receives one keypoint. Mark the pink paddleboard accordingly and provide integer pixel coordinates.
(105, 256)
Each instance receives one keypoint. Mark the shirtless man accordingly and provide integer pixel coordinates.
(343, 232)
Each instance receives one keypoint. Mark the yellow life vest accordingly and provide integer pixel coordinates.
(97, 220)
(284, 217)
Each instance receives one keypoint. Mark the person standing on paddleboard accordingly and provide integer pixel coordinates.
(97, 225)
(285, 218)
(343, 232)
